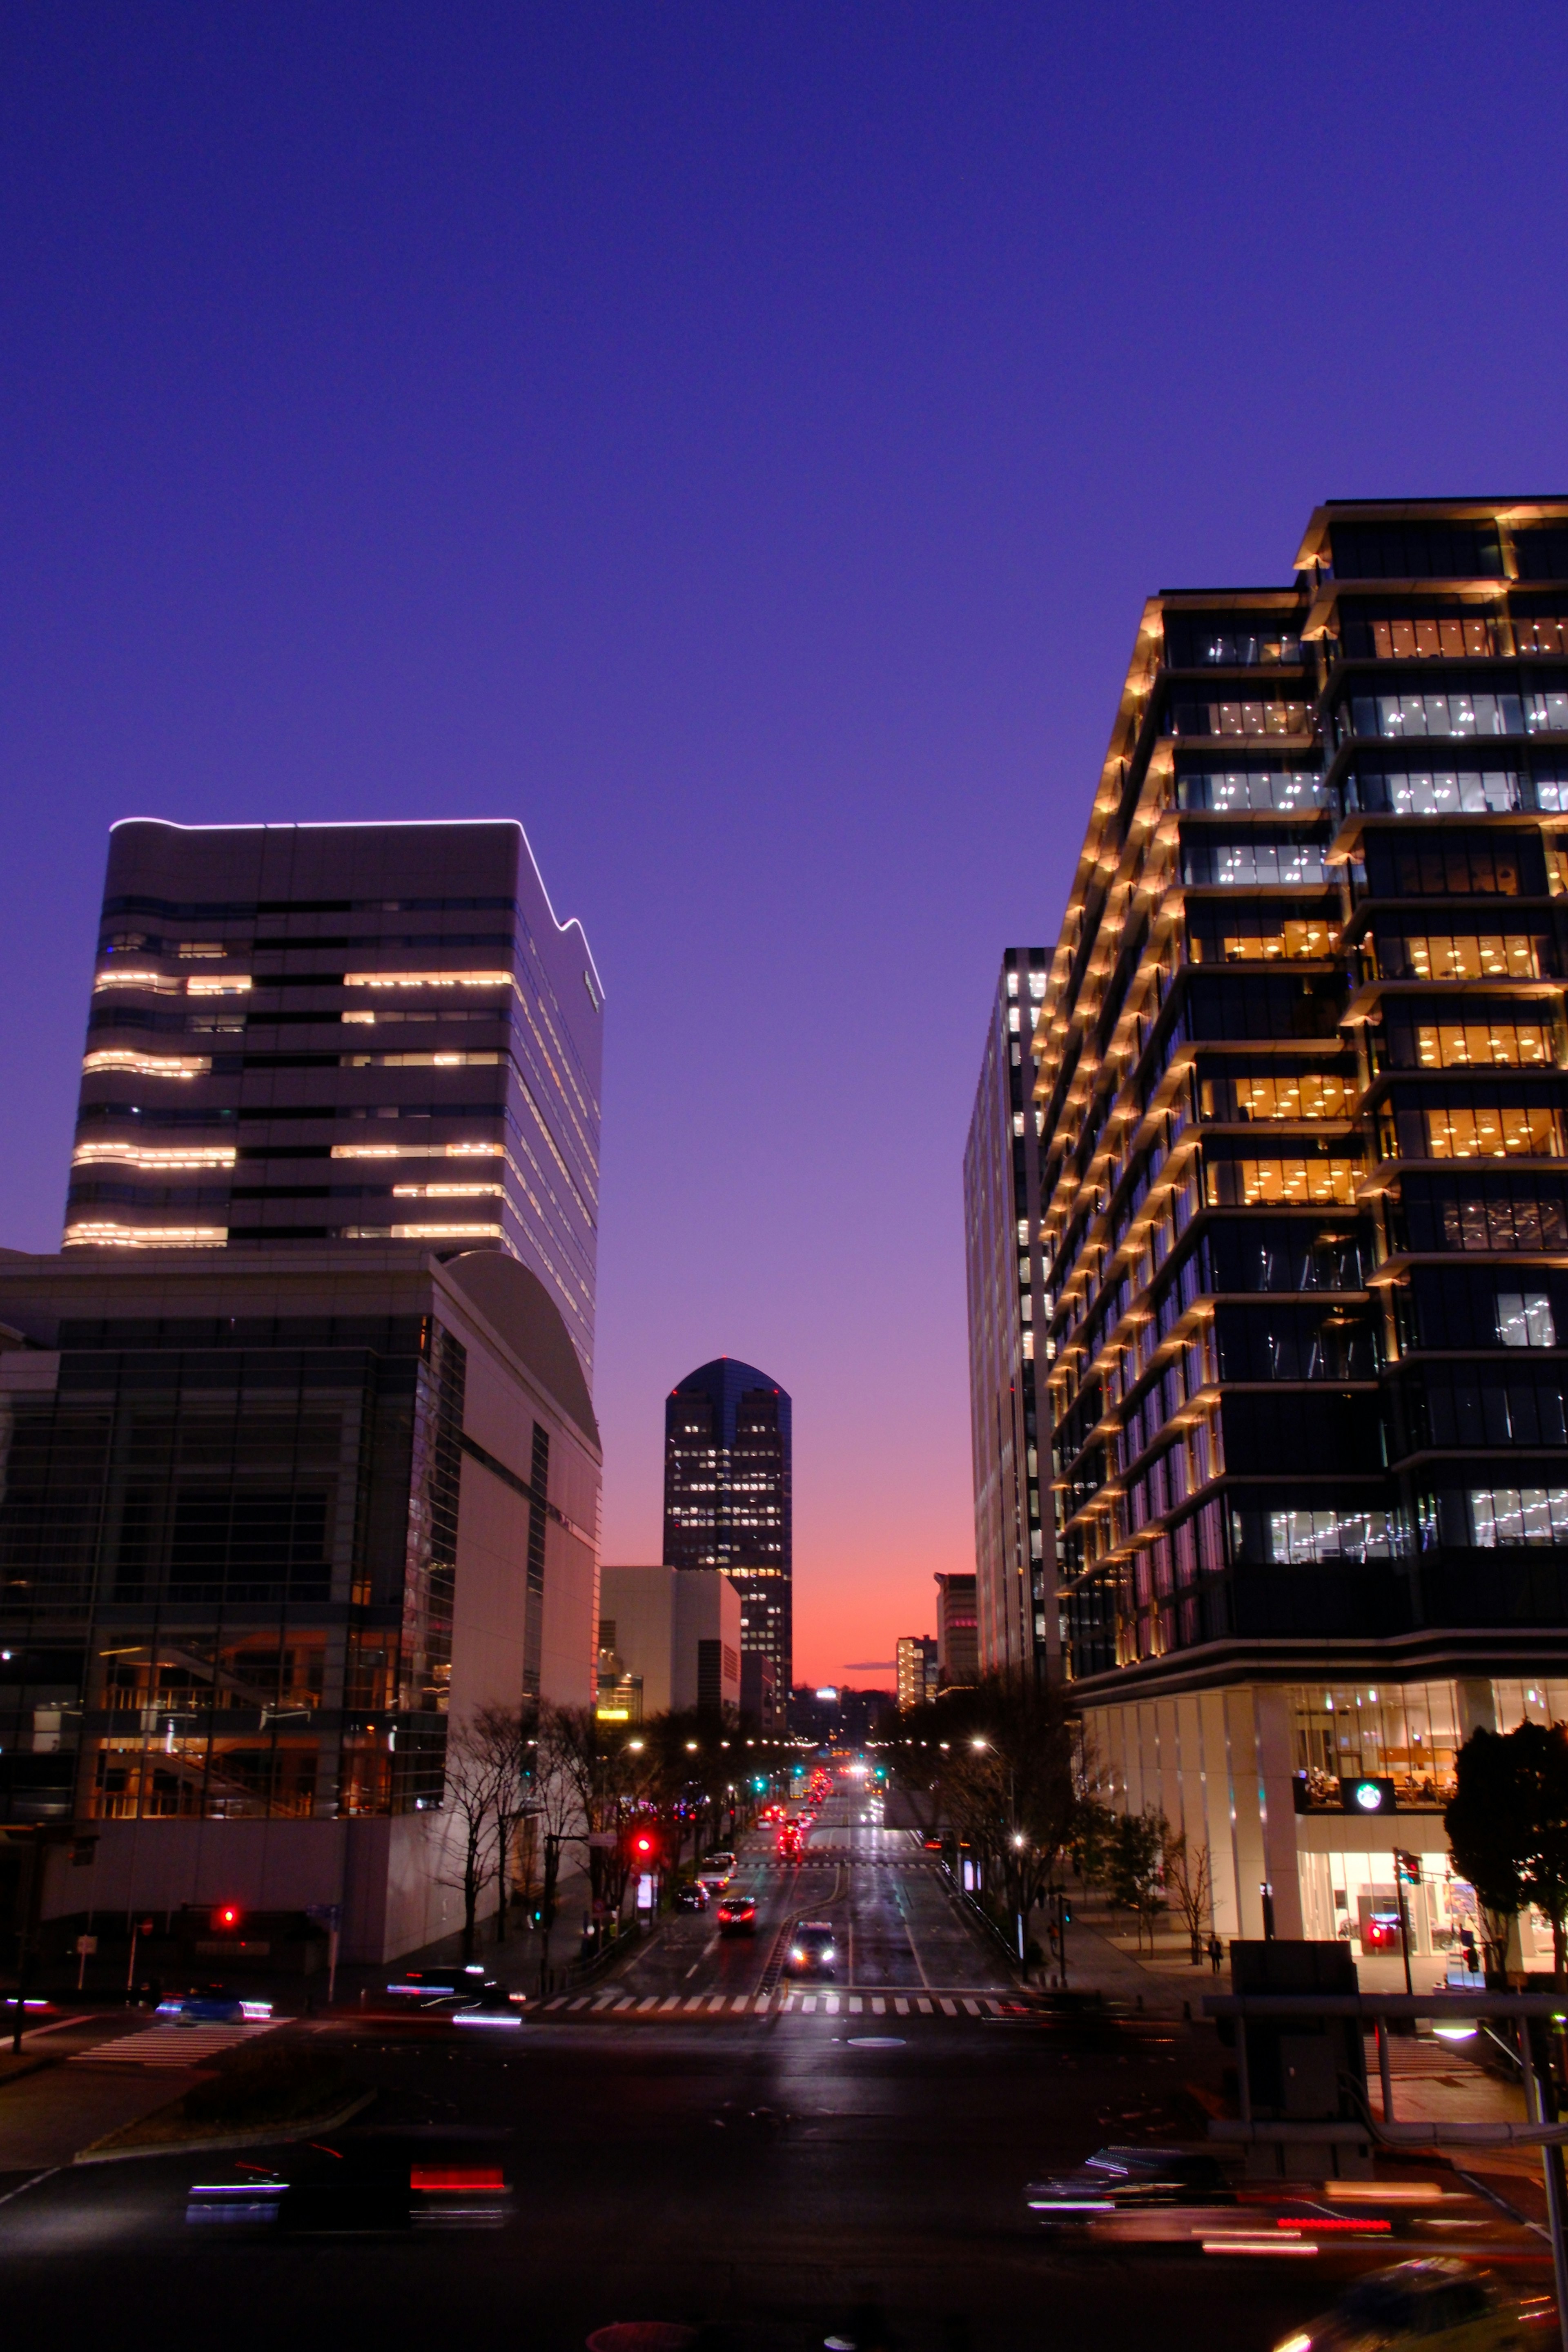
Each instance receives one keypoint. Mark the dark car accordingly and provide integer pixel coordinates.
(368, 2180)
(692, 1898)
(737, 1916)
(1120, 2180)
(813, 1949)
(1433, 2302)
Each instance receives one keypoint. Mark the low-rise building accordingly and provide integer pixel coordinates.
(270, 1523)
(673, 1635)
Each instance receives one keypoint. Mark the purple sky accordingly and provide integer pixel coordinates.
(737, 441)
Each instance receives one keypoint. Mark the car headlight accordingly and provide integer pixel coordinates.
(1298, 2343)
(797, 1954)
(828, 1951)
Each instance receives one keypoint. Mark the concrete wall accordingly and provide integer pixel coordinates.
(706, 1609)
(640, 1603)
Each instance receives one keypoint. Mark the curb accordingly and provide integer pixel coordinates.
(98, 2154)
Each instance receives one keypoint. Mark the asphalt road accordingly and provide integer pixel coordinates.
(764, 2178)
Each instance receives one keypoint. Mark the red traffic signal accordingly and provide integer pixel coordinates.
(644, 1848)
(225, 1918)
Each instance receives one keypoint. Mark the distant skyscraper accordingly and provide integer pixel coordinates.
(340, 1033)
(957, 1648)
(727, 1494)
(1013, 1556)
(917, 1669)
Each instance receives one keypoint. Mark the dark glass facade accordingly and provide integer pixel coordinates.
(1302, 1052)
(228, 1555)
(1014, 1548)
(320, 1035)
(727, 1501)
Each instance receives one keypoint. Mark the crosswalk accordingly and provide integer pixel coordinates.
(168, 2046)
(626, 2007)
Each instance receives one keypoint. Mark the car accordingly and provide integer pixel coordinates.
(215, 2006)
(1437, 2300)
(721, 1859)
(813, 1949)
(366, 2179)
(1120, 2180)
(692, 1898)
(737, 1916)
(714, 1880)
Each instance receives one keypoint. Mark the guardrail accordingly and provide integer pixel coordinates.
(1540, 2131)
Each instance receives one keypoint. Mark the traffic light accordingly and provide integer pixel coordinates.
(1409, 1866)
(225, 1918)
(643, 1847)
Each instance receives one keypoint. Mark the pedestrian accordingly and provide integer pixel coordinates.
(1216, 1952)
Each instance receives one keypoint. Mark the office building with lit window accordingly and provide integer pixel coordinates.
(270, 1522)
(727, 1504)
(1014, 1552)
(957, 1633)
(341, 1036)
(1301, 1100)
(915, 1661)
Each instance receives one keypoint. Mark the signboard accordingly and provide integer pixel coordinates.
(647, 1884)
(85, 1944)
(605, 1840)
(1368, 1795)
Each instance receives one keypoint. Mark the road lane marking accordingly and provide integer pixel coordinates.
(742, 2000)
(948, 2008)
(582, 2000)
(879, 2009)
(649, 2001)
(808, 2004)
(831, 2004)
(901, 2008)
(762, 2005)
(694, 2001)
(974, 2008)
(856, 2004)
(925, 2007)
(672, 2001)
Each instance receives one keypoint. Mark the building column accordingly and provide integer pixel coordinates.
(1276, 1772)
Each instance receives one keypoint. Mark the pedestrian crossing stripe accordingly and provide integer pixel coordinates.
(785, 2001)
(169, 2045)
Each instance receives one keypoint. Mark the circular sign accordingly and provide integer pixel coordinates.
(1369, 1796)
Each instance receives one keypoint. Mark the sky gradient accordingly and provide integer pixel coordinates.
(736, 441)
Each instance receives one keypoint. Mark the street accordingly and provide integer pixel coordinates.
(770, 2177)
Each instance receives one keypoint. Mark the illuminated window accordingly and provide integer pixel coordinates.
(228, 983)
(444, 1191)
(1524, 1319)
(145, 1066)
(136, 977)
(1494, 1131)
(205, 948)
(1490, 955)
(164, 1158)
(431, 1233)
(1431, 638)
(1518, 1515)
(1244, 1183)
(1447, 1045)
(417, 1061)
(427, 980)
(418, 1150)
(106, 1234)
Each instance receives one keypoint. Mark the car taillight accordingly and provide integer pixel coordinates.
(447, 2177)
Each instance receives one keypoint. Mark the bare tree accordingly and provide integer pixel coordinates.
(500, 1733)
(1189, 1881)
(996, 1764)
(470, 1806)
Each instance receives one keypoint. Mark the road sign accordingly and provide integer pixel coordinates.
(85, 1944)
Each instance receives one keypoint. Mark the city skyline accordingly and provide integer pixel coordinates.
(731, 458)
